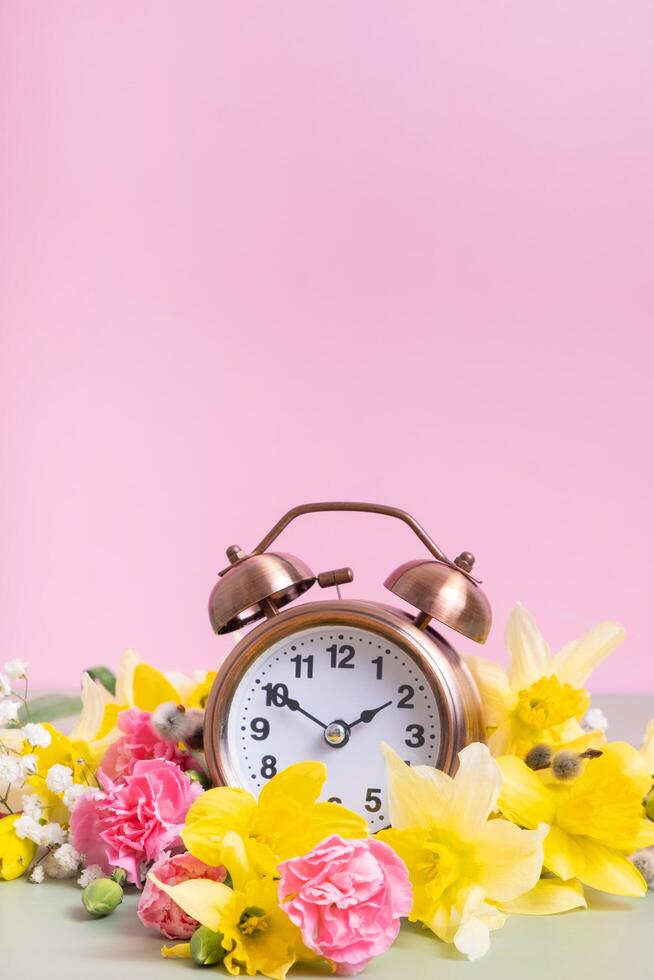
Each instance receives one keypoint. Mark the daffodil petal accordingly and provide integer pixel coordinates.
(609, 871)
(501, 741)
(605, 801)
(414, 800)
(647, 750)
(183, 684)
(151, 688)
(301, 782)
(510, 860)
(95, 697)
(530, 656)
(236, 860)
(577, 660)
(562, 854)
(644, 836)
(212, 815)
(523, 797)
(548, 897)
(473, 938)
(493, 685)
(125, 678)
(181, 951)
(475, 789)
(200, 898)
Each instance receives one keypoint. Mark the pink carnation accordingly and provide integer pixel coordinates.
(141, 741)
(347, 897)
(135, 819)
(157, 910)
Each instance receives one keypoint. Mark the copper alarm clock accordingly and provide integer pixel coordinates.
(330, 680)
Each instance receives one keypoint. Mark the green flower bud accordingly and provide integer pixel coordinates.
(206, 947)
(649, 804)
(102, 897)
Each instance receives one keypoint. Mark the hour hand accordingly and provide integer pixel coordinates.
(295, 706)
(369, 714)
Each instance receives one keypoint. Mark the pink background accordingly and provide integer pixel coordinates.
(255, 254)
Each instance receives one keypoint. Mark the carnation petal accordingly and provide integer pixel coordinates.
(200, 898)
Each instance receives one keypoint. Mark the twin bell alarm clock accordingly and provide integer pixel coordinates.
(330, 680)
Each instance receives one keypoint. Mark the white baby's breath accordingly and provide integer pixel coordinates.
(74, 793)
(9, 709)
(29, 764)
(16, 668)
(9, 769)
(52, 833)
(27, 828)
(31, 806)
(68, 858)
(37, 735)
(92, 873)
(59, 778)
(37, 875)
(594, 720)
(62, 863)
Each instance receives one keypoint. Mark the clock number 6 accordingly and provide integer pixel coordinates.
(417, 739)
(373, 802)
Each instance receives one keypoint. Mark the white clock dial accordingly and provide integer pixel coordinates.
(350, 687)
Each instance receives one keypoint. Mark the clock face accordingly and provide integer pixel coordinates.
(333, 694)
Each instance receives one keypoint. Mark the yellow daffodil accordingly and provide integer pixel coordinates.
(595, 820)
(541, 698)
(138, 685)
(62, 750)
(15, 853)
(285, 821)
(257, 934)
(459, 861)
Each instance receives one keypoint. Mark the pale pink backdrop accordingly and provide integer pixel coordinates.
(254, 254)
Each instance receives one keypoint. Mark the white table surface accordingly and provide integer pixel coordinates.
(46, 935)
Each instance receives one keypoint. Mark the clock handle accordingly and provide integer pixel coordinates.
(462, 564)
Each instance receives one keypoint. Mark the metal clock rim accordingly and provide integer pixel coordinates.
(447, 677)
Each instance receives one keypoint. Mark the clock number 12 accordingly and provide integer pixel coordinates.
(347, 656)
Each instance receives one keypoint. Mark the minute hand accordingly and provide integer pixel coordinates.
(369, 714)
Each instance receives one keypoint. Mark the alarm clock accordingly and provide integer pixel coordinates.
(330, 680)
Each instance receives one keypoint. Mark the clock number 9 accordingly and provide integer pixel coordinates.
(260, 729)
(417, 739)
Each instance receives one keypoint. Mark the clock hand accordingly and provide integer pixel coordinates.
(369, 714)
(295, 706)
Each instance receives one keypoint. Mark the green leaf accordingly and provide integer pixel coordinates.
(50, 707)
(106, 677)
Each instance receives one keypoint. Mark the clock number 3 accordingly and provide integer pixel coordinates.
(417, 739)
